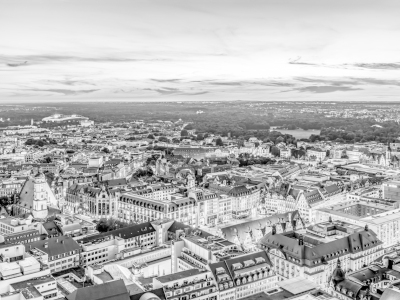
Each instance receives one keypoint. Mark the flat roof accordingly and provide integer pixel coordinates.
(297, 285)
(179, 275)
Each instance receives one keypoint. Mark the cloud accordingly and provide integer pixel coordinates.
(328, 81)
(64, 91)
(164, 91)
(379, 66)
(194, 94)
(165, 80)
(41, 59)
(226, 83)
(69, 82)
(378, 81)
(325, 89)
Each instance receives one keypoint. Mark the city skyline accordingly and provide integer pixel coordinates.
(199, 51)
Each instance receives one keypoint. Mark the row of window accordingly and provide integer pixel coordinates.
(63, 255)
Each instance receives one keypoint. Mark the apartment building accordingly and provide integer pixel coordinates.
(244, 198)
(213, 207)
(160, 192)
(63, 252)
(189, 284)
(10, 187)
(30, 235)
(243, 276)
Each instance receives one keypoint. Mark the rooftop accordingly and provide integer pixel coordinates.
(179, 275)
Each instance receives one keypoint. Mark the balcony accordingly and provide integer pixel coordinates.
(194, 256)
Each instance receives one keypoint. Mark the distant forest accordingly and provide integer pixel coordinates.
(240, 119)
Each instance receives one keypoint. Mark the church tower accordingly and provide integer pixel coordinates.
(39, 196)
(190, 181)
(388, 156)
(338, 274)
(34, 197)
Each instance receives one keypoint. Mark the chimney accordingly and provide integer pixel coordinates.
(46, 245)
(56, 240)
(366, 227)
(301, 242)
(186, 231)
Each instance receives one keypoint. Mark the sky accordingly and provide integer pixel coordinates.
(199, 50)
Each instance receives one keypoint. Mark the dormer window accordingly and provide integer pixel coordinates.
(259, 260)
(249, 263)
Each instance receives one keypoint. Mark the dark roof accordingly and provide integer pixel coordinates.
(251, 227)
(116, 182)
(288, 243)
(158, 292)
(112, 290)
(125, 233)
(56, 245)
(228, 269)
(179, 275)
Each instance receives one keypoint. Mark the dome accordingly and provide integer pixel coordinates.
(149, 296)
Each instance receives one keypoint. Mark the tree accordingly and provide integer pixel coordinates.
(48, 159)
(150, 136)
(275, 151)
(105, 150)
(163, 139)
(328, 153)
(279, 139)
(105, 225)
(188, 127)
(184, 133)
(219, 142)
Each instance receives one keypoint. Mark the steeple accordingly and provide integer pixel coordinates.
(338, 275)
(301, 241)
(273, 229)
